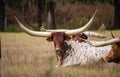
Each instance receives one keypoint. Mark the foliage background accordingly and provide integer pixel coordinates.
(69, 13)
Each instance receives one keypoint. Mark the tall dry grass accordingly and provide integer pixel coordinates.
(27, 56)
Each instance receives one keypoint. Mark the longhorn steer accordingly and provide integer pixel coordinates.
(59, 38)
(114, 52)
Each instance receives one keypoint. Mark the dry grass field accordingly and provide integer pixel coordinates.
(28, 56)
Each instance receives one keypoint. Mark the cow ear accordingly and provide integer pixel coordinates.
(50, 39)
(67, 38)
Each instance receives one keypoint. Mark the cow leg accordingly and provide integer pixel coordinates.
(58, 61)
(61, 60)
(104, 60)
(60, 57)
(57, 57)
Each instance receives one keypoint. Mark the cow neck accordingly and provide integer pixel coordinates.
(65, 46)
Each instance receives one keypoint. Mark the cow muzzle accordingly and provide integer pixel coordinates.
(57, 49)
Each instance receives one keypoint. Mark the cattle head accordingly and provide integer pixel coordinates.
(114, 53)
(58, 37)
(79, 37)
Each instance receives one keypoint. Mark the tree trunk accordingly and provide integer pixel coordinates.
(51, 15)
(2, 16)
(40, 9)
(117, 14)
(0, 47)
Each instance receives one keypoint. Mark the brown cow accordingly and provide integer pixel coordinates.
(59, 43)
(114, 53)
(59, 38)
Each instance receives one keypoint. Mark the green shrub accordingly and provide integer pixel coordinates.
(12, 28)
(35, 26)
(45, 25)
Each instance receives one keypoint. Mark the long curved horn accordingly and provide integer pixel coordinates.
(34, 33)
(82, 29)
(88, 33)
(56, 30)
(94, 34)
(103, 43)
